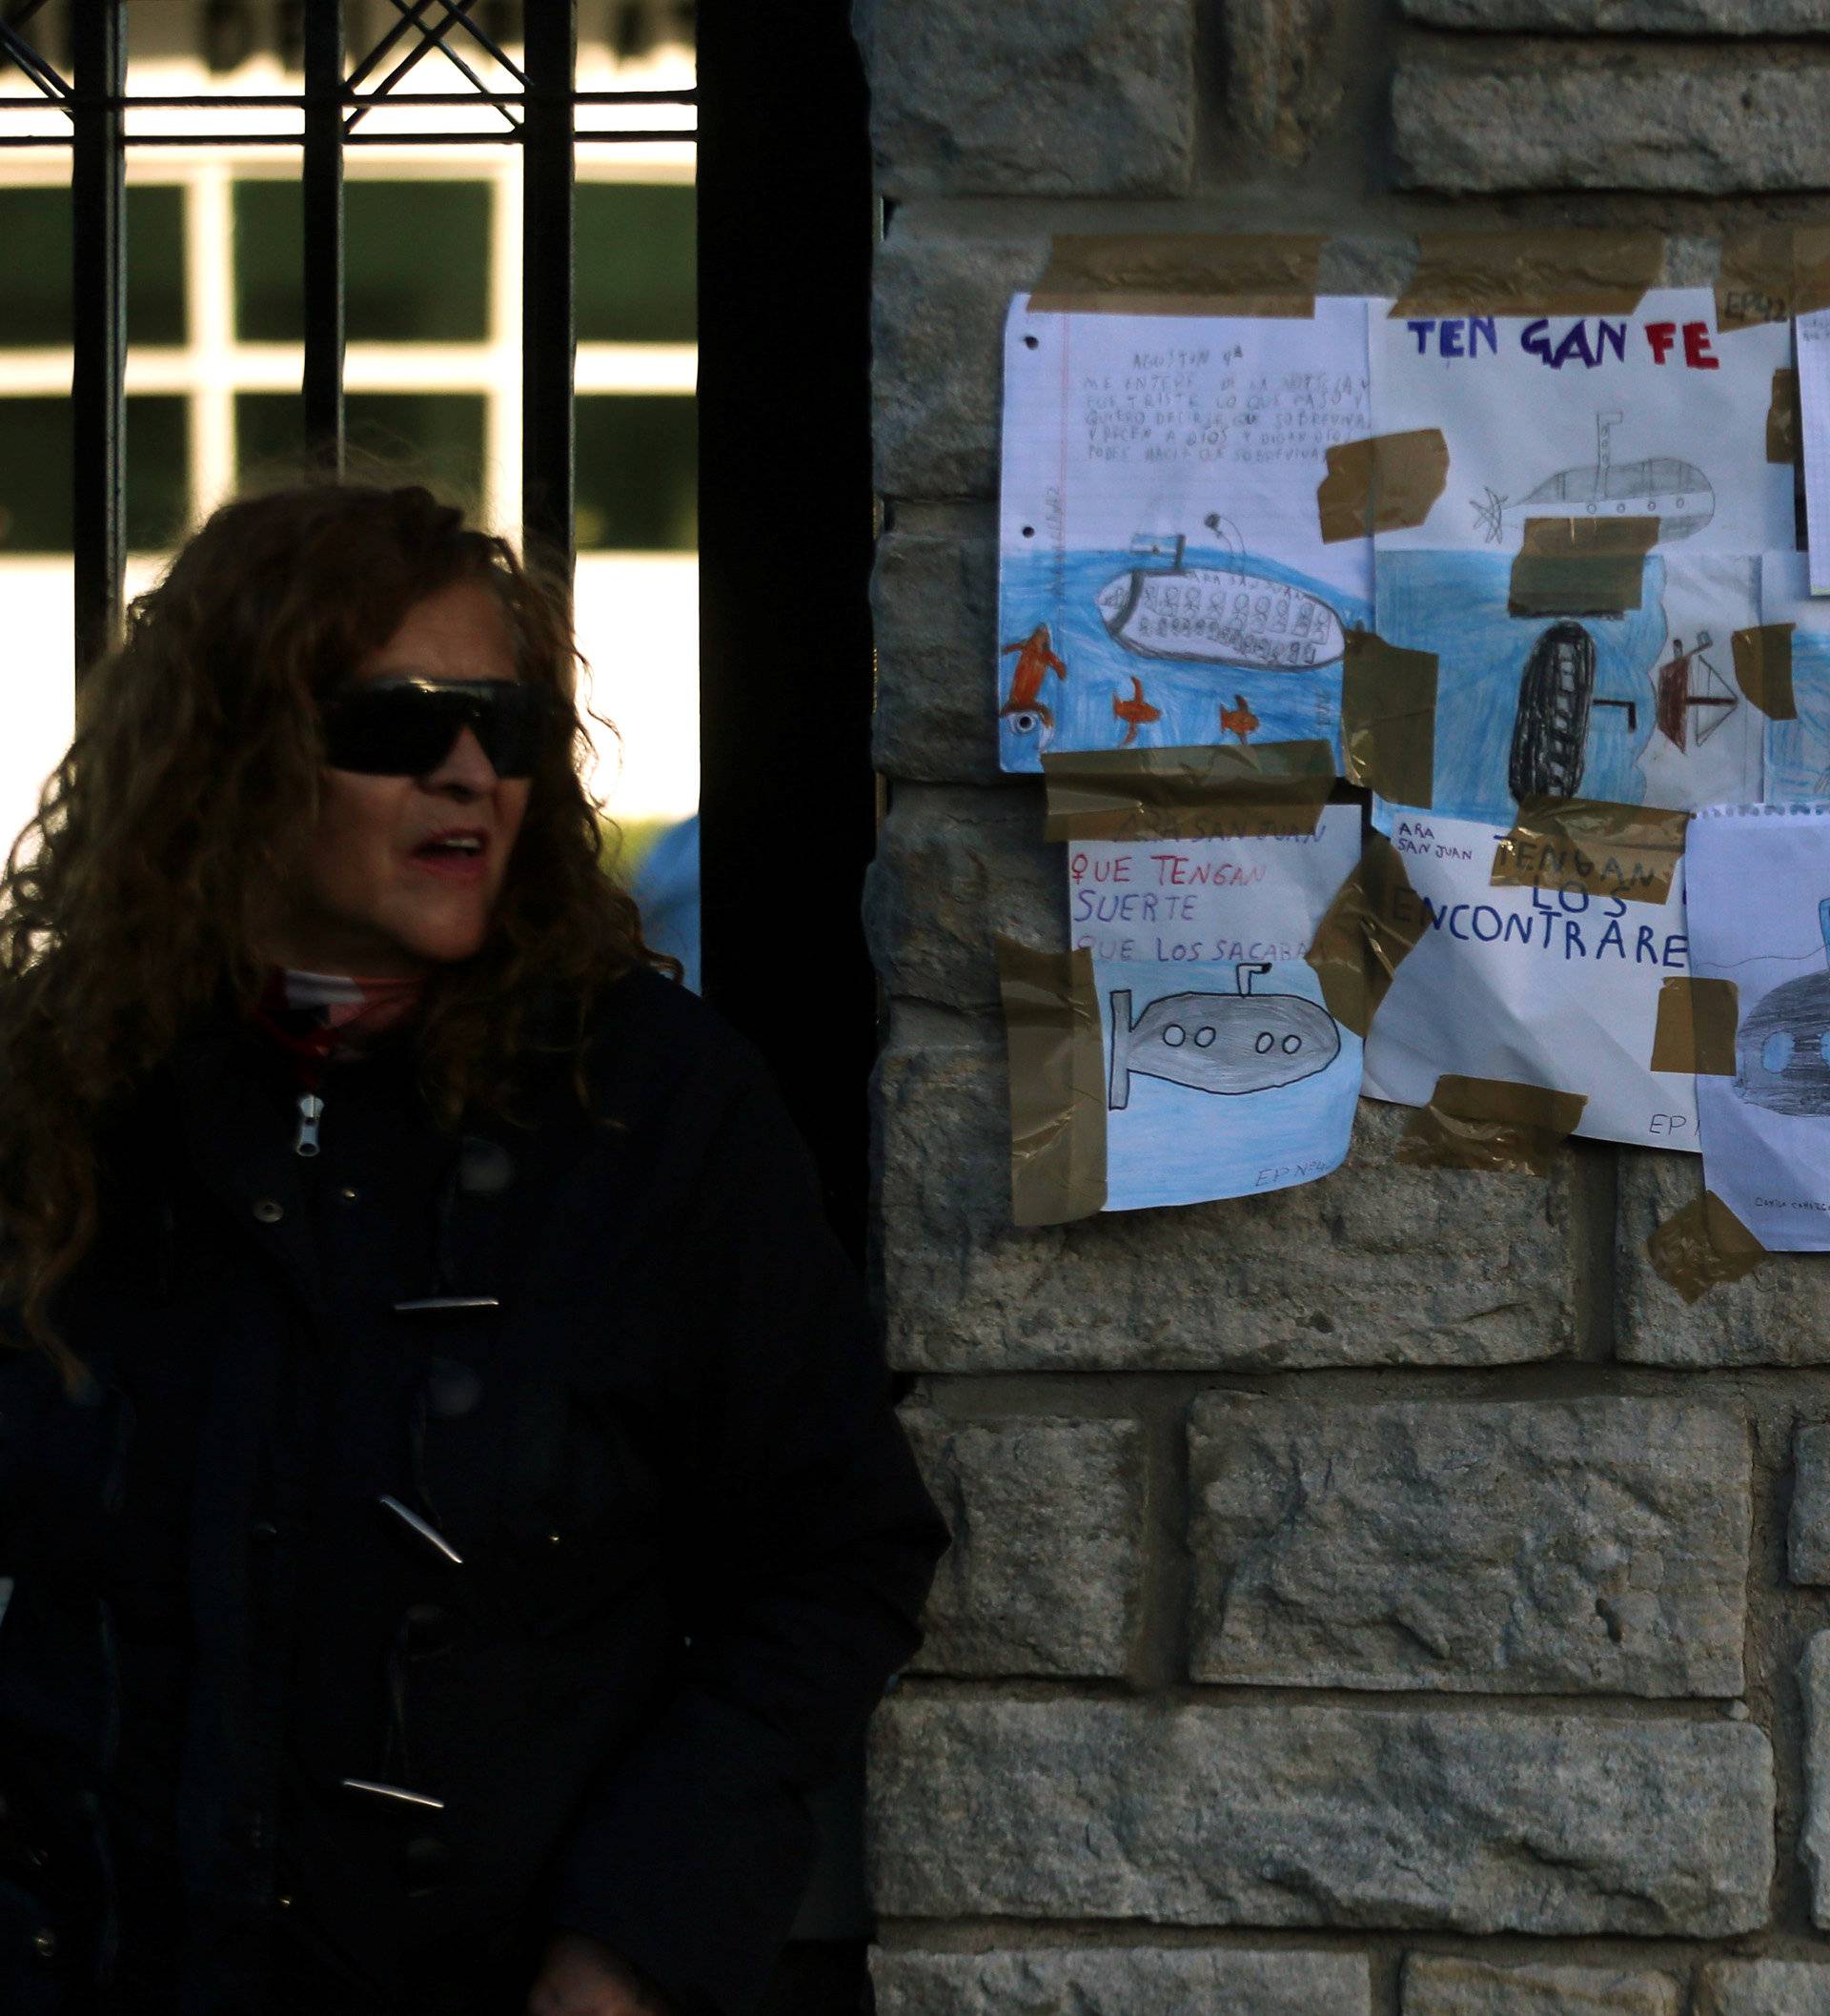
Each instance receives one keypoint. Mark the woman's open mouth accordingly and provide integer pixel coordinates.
(457, 856)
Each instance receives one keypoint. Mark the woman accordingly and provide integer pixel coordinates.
(452, 1508)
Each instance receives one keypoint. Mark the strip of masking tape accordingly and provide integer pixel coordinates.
(1785, 435)
(1763, 668)
(1531, 272)
(1810, 268)
(1695, 1028)
(1701, 1246)
(1388, 719)
(1057, 1084)
(1754, 282)
(1181, 273)
(1382, 483)
(1571, 843)
(1580, 566)
(1219, 793)
(1491, 1124)
(1365, 936)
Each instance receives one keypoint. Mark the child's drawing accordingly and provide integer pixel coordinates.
(1756, 915)
(1554, 987)
(1798, 748)
(1633, 707)
(1229, 1043)
(1658, 412)
(1226, 615)
(1225, 1072)
(1782, 1047)
(1677, 493)
(1135, 713)
(1694, 699)
(1024, 706)
(1161, 554)
(1556, 699)
(1240, 721)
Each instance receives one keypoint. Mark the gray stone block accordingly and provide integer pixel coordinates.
(1568, 1547)
(1080, 97)
(1808, 1534)
(1701, 120)
(1779, 1315)
(935, 601)
(1132, 1981)
(1444, 1985)
(1047, 1568)
(1627, 18)
(1762, 1987)
(956, 867)
(1377, 1265)
(937, 358)
(1278, 96)
(1814, 1842)
(1288, 1815)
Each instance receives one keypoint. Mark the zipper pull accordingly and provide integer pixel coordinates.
(310, 1109)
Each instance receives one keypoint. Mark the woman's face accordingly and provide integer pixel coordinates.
(379, 890)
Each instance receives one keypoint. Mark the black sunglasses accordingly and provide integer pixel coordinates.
(405, 727)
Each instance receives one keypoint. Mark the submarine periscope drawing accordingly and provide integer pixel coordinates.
(1220, 1043)
(1782, 1048)
(1230, 615)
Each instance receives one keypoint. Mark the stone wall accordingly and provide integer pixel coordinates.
(1385, 1598)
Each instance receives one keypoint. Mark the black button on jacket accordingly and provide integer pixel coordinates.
(462, 1536)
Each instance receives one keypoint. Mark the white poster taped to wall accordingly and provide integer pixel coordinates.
(1164, 581)
(1655, 415)
(1760, 916)
(1225, 1074)
(1555, 986)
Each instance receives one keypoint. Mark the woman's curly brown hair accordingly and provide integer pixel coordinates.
(134, 901)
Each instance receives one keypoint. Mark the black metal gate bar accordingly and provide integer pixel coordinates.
(98, 312)
(548, 307)
(321, 193)
(786, 795)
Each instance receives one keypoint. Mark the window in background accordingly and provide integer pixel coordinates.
(636, 263)
(638, 472)
(416, 261)
(415, 437)
(35, 497)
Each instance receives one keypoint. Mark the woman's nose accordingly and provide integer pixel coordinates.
(465, 767)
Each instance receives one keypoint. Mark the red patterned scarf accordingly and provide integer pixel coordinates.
(320, 1017)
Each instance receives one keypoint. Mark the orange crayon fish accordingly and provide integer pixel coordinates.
(1134, 712)
(1026, 708)
(1238, 720)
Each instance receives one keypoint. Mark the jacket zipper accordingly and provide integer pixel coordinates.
(311, 1111)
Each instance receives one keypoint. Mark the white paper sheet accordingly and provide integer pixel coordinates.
(1759, 879)
(1640, 708)
(1224, 1072)
(1163, 577)
(1654, 413)
(1555, 988)
(1798, 751)
(1814, 413)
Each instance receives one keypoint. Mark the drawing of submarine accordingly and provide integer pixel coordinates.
(1677, 493)
(1221, 1042)
(1551, 722)
(1782, 1048)
(1228, 616)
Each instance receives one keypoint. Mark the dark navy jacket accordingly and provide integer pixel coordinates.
(541, 1479)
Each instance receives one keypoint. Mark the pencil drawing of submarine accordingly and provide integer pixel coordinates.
(1782, 1047)
(1551, 724)
(1230, 615)
(1677, 493)
(1221, 1042)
